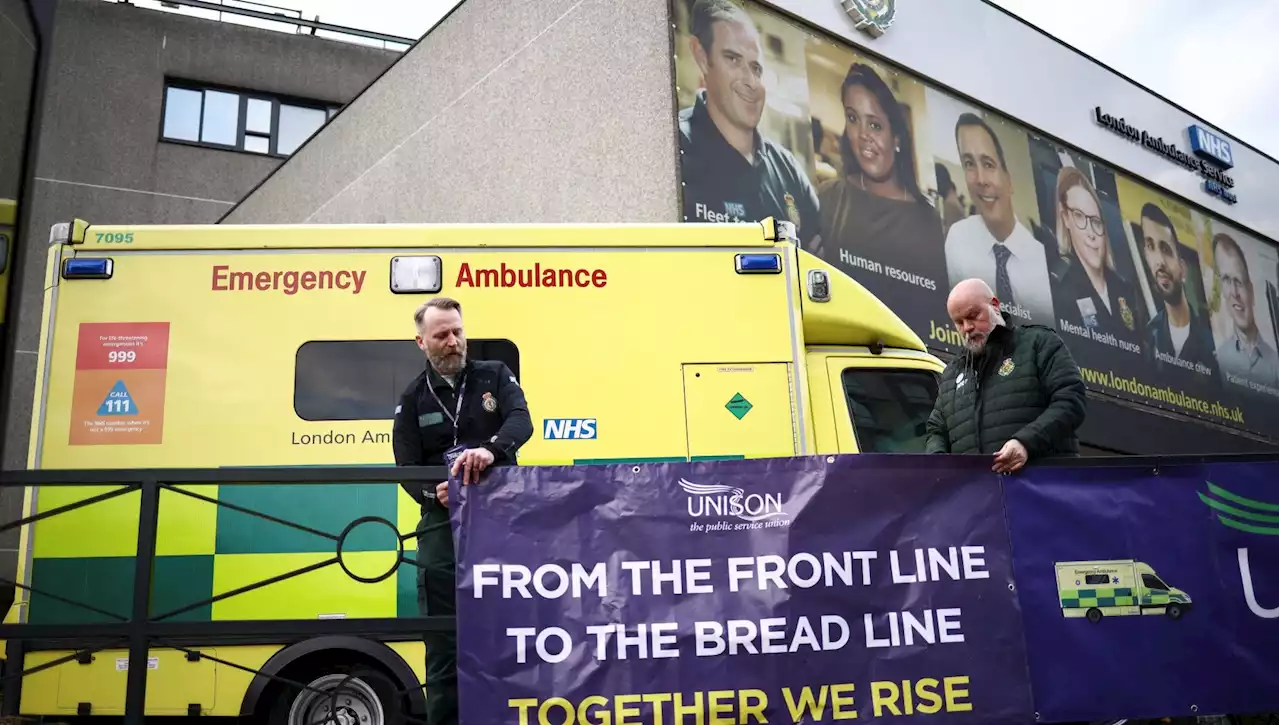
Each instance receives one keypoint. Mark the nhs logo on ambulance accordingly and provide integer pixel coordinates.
(1210, 146)
(568, 429)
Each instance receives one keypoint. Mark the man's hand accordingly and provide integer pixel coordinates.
(472, 463)
(442, 493)
(1010, 458)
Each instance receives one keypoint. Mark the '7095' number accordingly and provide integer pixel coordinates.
(115, 237)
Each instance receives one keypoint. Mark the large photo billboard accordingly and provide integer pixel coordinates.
(909, 189)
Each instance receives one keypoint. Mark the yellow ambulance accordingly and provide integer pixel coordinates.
(267, 346)
(1116, 588)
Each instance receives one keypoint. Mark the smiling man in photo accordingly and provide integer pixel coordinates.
(1243, 354)
(731, 172)
(994, 246)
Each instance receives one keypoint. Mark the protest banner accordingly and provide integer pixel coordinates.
(1148, 590)
(783, 590)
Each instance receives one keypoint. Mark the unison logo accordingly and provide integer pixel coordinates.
(1252, 517)
(1240, 513)
(716, 499)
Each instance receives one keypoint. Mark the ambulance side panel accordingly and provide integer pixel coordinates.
(740, 411)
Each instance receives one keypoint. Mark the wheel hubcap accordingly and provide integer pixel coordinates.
(346, 701)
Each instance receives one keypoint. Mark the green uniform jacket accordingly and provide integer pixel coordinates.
(1024, 385)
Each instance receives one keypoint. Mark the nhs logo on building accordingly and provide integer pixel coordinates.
(1210, 146)
(568, 429)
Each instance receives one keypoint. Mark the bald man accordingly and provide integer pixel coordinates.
(1014, 393)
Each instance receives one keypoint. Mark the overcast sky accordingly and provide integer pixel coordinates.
(1216, 58)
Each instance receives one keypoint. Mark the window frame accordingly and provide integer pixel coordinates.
(273, 123)
(1146, 582)
(477, 345)
(329, 108)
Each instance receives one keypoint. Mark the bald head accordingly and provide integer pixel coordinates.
(975, 311)
(970, 291)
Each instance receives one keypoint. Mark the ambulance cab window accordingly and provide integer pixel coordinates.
(363, 379)
(1151, 581)
(889, 408)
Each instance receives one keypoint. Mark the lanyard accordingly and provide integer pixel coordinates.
(457, 411)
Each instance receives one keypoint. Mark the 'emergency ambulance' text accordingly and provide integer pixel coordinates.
(288, 281)
(535, 276)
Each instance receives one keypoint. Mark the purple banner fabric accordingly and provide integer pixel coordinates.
(783, 590)
(1148, 592)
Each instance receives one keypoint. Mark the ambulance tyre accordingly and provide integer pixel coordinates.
(1174, 611)
(362, 696)
(1094, 615)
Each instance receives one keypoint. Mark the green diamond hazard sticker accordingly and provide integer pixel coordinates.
(738, 405)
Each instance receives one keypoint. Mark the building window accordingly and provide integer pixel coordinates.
(363, 379)
(890, 408)
(297, 123)
(240, 120)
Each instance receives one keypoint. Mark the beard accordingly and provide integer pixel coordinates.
(448, 362)
(1174, 295)
(975, 343)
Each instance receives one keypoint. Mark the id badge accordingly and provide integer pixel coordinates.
(451, 457)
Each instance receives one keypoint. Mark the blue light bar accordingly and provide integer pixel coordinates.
(757, 264)
(91, 268)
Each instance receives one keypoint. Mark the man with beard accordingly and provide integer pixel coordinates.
(731, 173)
(469, 415)
(1177, 332)
(1014, 393)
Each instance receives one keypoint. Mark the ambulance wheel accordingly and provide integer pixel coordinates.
(352, 696)
(1174, 611)
(1094, 615)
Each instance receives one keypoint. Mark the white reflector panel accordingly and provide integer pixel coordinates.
(415, 275)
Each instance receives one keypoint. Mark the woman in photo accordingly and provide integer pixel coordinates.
(875, 209)
(1090, 293)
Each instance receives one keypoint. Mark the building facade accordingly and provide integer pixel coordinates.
(157, 118)
(629, 139)
(1143, 236)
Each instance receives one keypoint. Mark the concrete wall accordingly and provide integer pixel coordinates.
(548, 111)
(17, 65)
(100, 158)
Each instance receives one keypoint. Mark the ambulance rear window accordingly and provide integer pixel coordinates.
(889, 408)
(363, 379)
(1097, 579)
